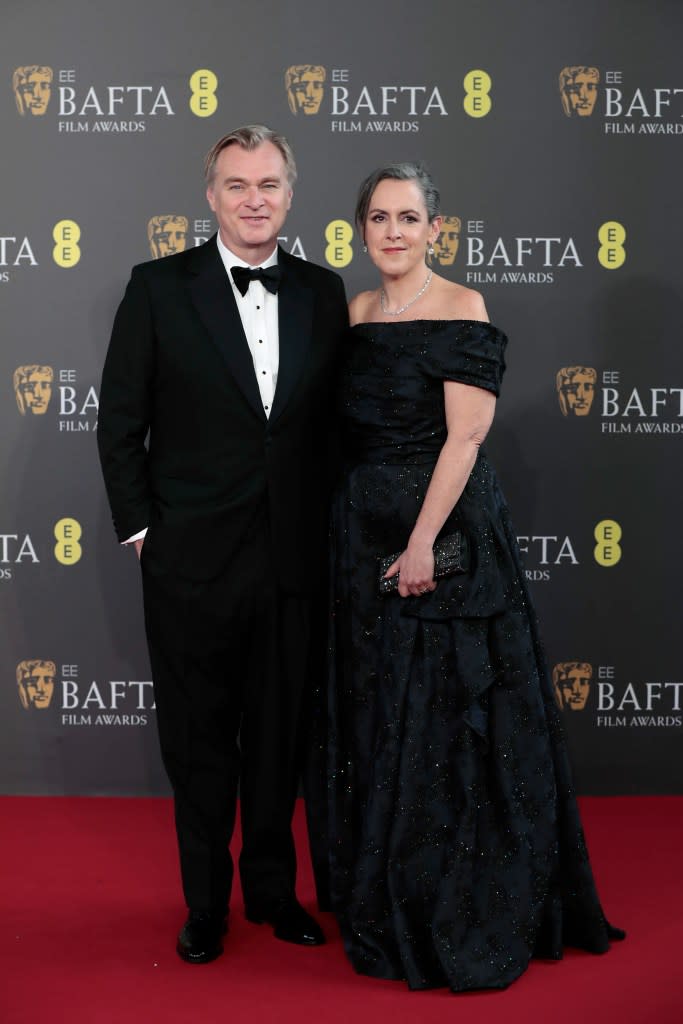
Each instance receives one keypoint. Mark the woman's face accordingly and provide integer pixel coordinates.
(397, 228)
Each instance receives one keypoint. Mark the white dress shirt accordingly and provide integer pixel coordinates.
(258, 312)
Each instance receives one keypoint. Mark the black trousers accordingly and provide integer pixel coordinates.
(230, 659)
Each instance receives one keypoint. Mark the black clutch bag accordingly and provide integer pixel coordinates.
(450, 558)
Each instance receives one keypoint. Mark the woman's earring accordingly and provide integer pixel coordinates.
(430, 249)
(365, 248)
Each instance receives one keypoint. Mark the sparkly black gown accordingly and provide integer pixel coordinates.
(456, 848)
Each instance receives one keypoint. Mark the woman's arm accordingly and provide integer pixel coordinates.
(469, 414)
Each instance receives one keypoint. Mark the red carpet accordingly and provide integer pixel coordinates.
(91, 905)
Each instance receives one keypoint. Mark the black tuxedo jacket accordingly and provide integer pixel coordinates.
(185, 445)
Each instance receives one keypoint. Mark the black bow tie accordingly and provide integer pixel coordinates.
(270, 276)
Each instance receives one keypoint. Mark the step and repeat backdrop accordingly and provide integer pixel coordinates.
(555, 132)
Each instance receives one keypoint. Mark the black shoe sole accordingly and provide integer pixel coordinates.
(201, 958)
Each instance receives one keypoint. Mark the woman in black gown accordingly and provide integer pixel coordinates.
(456, 848)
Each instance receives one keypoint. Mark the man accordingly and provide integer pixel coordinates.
(232, 374)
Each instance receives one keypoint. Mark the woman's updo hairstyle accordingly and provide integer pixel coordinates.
(398, 172)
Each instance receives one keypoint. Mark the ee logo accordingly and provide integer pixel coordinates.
(611, 253)
(607, 551)
(203, 102)
(338, 235)
(477, 102)
(68, 533)
(66, 252)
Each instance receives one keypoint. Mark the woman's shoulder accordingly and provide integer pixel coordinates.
(360, 307)
(453, 301)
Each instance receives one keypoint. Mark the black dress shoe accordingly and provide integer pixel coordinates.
(290, 922)
(201, 938)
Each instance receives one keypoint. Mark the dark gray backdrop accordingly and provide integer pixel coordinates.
(118, 144)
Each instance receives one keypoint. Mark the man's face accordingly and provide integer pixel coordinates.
(575, 688)
(578, 392)
(35, 92)
(446, 245)
(250, 196)
(37, 687)
(308, 92)
(36, 390)
(171, 237)
(582, 91)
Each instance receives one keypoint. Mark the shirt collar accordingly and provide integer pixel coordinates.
(230, 260)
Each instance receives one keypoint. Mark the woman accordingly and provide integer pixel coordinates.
(456, 846)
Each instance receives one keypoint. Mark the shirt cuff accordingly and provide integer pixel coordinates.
(136, 536)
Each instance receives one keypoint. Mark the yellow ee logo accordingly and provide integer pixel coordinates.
(68, 533)
(477, 102)
(607, 551)
(611, 253)
(66, 252)
(203, 102)
(338, 235)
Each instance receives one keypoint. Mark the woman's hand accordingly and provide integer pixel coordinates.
(416, 570)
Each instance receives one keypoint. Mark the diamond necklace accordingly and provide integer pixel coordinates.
(397, 312)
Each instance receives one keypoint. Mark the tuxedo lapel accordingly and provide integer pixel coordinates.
(213, 298)
(295, 322)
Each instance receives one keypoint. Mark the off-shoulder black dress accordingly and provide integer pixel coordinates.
(456, 847)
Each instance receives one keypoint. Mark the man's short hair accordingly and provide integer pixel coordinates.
(250, 137)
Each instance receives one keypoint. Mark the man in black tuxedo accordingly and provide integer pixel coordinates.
(228, 372)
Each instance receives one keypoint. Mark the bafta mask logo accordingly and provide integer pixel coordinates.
(446, 245)
(576, 389)
(36, 683)
(33, 389)
(305, 88)
(32, 87)
(167, 234)
(572, 684)
(579, 90)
